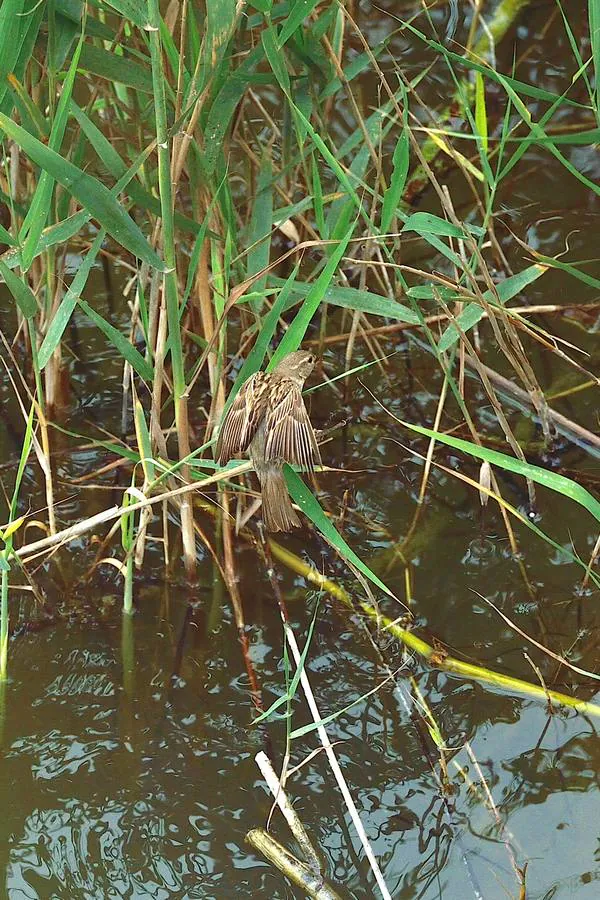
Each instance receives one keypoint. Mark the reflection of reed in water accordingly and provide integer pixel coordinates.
(116, 850)
(98, 684)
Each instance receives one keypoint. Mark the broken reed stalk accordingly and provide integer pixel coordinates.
(288, 812)
(295, 870)
(29, 551)
(431, 655)
(334, 765)
(521, 399)
(229, 575)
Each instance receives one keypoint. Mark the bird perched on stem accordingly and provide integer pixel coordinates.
(268, 419)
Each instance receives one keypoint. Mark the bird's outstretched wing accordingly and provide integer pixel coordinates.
(242, 419)
(289, 435)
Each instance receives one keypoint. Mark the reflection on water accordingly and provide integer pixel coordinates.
(118, 806)
(117, 850)
(147, 787)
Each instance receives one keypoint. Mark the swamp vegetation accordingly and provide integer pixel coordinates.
(188, 192)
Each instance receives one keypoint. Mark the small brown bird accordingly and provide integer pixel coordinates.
(268, 419)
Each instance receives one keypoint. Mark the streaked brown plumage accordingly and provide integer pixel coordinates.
(268, 419)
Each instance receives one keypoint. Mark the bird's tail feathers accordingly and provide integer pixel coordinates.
(277, 510)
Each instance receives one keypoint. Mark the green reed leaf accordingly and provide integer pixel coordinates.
(119, 69)
(134, 10)
(480, 111)
(473, 312)
(39, 210)
(353, 298)
(91, 194)
(295, 333)
(594, 20)
(393, 195)
(311, 508)
(299, 11)
(22, 293)
(12, 33)
(259, 234)
(121, 343)
(552, 480)
(142, 433)
(64, 312)
(425, 223)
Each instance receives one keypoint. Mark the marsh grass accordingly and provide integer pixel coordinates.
(201, 151)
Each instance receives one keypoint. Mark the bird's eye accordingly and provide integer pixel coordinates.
(311, 359)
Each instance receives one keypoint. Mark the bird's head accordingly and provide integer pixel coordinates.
(297, 365)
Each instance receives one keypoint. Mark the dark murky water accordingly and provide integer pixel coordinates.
(128, 764)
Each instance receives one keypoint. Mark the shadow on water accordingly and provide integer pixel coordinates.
(128, 756)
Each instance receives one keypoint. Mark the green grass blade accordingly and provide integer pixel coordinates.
(311, 508)
(299, 11)
(25, 451)
(294, 682)
(31, 117)
(331, 159)
(71, 9)
(575, 50)
(12, 25)
(594, 20)
(480, 111)
(24, 47)
(295, 333)
(224, 106)
(134, 10)
(63, 231)
(425, 223)
(144, 443)
(221, 21)
(121, 344)
(117, 167)
(473, 312)
(393, 195)
(65, 33)
(38, 212)
(312, 726)
(63, 314)
(119, 69)
(22, 293)
(538, 132)
(98, 201)
(527, 90)
(276, 59)
(6, 237)
(552, 480)
(355, 67)
(572, 270)
(353, 298)
(317, 199)
(259, 237)
(165, 189)
(54, 234)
